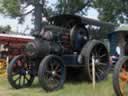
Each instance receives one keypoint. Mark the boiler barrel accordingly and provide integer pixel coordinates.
(38, 48)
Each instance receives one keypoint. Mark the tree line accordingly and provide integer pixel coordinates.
(114, 11)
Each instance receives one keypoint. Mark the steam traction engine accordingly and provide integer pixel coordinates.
(65, 41)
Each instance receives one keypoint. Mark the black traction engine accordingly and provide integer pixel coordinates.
(65, 41)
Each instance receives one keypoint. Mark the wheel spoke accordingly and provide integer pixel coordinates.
(58, 71)
(49, 72)
(24, 80)
(57, 66)
(58, 75)
(97, 75)
(94, 53)
(17, 78)
(101, 64)
(20, 80)
(103, 55)
(14, 73)
(101, 72)
(56, 81)
(100, 68)
(50, 79)
(52, 66)
(99, 50)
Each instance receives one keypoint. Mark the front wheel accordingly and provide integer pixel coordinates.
(51, 73)
(20, 72)
(120, 77)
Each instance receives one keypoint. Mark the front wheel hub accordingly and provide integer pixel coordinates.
(54, 73)
(22, 72)
(97, 61)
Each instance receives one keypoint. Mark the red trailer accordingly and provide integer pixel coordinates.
(10, 46)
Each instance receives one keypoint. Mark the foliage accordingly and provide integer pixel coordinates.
(17, 8)
(5, 29)
(71, 6)
(10, 7)
(13, 7)
(112, 10)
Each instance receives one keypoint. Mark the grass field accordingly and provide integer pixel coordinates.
(103, 88)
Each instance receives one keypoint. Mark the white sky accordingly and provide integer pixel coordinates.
(92, 13)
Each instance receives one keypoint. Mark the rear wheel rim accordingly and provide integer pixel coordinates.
(123, 79)
(101, 61)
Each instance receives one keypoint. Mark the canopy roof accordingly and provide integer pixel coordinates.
(62, 19)
(14, 40)
(122, 28)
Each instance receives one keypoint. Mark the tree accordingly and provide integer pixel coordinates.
(10, 7)
(17, 8)
(5, 29)
(72, 6)
(115, 11)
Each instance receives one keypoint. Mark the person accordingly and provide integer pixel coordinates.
(115, 56)
(118, 51)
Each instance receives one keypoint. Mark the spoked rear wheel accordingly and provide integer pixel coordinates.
(51, 73)
(20, 72)
(96, 50)
(120, 77)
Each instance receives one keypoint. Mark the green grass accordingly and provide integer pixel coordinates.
(103, 88)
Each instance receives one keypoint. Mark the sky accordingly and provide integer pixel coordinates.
(4, 20)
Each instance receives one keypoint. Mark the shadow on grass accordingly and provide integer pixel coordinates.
(73, 76)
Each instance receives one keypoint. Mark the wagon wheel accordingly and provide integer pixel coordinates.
(120, 77)
(51, 73)
(97, 50)
(20, 72)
